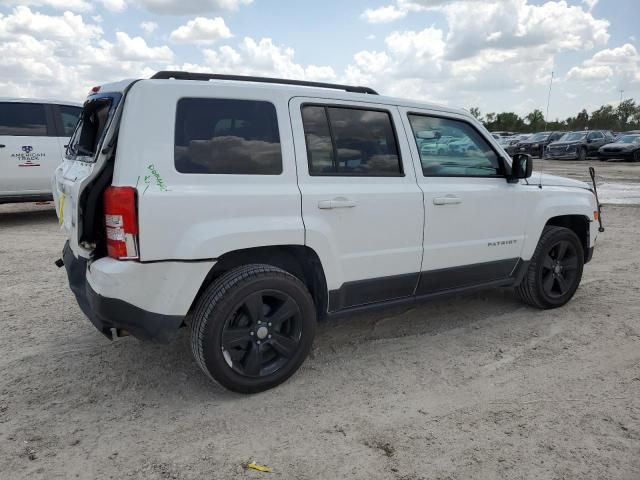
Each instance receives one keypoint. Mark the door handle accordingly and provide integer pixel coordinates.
(2, 146)
(448, 200)
(336, 203)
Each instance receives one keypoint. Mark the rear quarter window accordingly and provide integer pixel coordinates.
(224, 136)
(23, 119)
(68, 118)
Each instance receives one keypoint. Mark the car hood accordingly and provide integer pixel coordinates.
(548, 180)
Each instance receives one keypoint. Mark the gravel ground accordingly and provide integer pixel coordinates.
(475, 386)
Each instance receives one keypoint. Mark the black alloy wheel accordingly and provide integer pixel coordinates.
(559, 269)
(253, 327)
(262, 334)
(555, 269)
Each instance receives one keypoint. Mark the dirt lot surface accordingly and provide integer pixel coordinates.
(475, 386)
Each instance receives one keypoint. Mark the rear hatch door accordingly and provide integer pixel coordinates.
(88, 153)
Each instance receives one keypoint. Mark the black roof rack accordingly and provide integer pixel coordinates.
(166, 74)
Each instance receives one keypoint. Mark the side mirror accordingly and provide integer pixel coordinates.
(521, 167)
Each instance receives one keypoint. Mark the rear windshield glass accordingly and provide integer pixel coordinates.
(90, 129)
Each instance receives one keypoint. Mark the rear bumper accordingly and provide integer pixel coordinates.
(107, 313)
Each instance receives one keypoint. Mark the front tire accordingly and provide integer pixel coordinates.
(253, 327)
(582, 154)
(555, 270)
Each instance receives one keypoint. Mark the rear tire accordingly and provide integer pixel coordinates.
(253, 327)
(555, 270)
(636, 156)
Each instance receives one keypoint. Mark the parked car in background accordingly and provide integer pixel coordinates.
(500, 133)
(578, 145)
(438, 146)
(33, 137)
(537, 143)
(626, 147)
(462, 146)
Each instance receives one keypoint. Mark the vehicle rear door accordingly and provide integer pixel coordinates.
(66, 118)
(29, 150)
(361, 206)
(474, 219)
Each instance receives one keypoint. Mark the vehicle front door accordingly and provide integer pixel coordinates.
(594, 141)
(474, 219)
(29, 150)
(361, 206)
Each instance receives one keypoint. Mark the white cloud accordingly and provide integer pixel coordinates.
(201, 30)
(620, 63)
(70, 5)
(489, 54)
(136, 49)
(590, 3)
(62, 56)
(510, 24)
(626, 54)
(263, 58)
(66, 28)
(148, 27)
(598, 73)
(189, 7)
(115, 5)
(383, 14)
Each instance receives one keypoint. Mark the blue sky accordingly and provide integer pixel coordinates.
(495, 54)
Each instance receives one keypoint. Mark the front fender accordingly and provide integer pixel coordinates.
(556, 202)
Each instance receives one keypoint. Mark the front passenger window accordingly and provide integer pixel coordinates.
(452, 148)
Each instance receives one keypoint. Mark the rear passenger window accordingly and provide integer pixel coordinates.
(350, 141)
(220, 136)
(23, 119)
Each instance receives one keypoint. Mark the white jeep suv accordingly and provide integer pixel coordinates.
(33, 137)
(248, 208)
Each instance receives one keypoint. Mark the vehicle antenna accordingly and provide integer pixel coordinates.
(545, 126)
(548, 100)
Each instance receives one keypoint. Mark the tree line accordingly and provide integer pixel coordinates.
(626, 116)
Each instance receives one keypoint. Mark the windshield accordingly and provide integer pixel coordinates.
(539, 137)
(573, 137)
(629, 139)
(89, 133)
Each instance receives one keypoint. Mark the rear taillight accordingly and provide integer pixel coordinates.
(121, 222)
